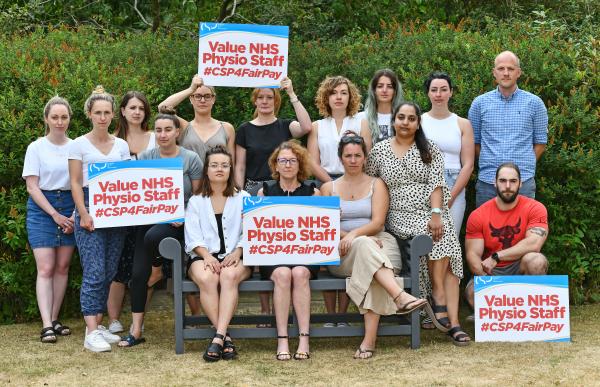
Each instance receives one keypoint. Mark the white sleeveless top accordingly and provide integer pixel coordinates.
(446, 135)
(329, 138)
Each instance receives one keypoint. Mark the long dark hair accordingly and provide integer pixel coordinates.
(420, 139)
(122, 125)
(205, 189)
(371, 101)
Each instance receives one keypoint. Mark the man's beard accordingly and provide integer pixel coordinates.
(507, 199)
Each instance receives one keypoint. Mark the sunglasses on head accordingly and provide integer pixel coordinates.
(351, 139)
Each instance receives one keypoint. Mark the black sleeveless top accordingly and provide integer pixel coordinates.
(272, 188)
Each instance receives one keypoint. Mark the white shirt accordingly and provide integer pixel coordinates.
(329, 139)
(384, 121)
(151, 145)
(201, 228)
(446, 134)
(83, 150)
(49, 162)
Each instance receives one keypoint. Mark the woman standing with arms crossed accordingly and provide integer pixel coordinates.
(148, 237)
(385, 93)
(203, 132)
(413, 169)
(213, 238)
(454, 136)
(132, 126)
(99, 250)
(289, 163)
(255, 141)
(50, 215)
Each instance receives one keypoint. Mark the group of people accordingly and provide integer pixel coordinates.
(399, 172)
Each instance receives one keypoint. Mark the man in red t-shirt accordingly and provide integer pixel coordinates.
(505, 234)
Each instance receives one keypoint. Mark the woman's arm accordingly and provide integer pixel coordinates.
(365, 133)
(240, 166)
(175, 99)
(303, 124)
(315, 155)
(76, 177)
(435, 224)
(467, 158)
(230, 140)
(38, 197)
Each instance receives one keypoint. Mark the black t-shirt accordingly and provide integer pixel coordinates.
(260, 142)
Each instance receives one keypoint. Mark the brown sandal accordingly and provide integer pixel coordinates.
(369, 352)
(410, 306)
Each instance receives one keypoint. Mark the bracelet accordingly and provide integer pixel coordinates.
(294, 100)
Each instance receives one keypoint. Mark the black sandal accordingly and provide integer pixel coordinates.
(442, 323)
(214, 348)
(283, 356)
(232, 351)
(299, 355)
(62, 330)
(459, 337)
(47, 335)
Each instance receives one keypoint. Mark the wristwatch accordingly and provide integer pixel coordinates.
(495, 257)
(436, 210)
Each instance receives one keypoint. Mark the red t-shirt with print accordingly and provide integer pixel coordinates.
(503, 229)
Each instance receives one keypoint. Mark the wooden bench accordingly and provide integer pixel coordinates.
(186, 326)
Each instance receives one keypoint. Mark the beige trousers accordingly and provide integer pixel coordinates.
(361, 263)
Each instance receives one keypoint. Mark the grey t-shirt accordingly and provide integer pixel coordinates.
(192, 167)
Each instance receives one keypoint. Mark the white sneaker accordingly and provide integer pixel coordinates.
(108, 337)
(95, 342)
(115, 327)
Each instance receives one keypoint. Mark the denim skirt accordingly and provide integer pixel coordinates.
(41, 229)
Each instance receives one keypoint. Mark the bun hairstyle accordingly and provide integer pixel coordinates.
(56, 100)
(99, 94)
(168, 113)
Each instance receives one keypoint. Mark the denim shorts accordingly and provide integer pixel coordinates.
(41, 229)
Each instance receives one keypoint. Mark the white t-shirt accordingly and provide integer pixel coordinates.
(384, 121)
(151, 145)
(82, 149)
(329, 139)
(49, 162)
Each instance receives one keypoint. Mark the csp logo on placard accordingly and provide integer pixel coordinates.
(482, 280)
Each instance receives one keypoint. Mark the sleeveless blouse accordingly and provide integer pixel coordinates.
(446, 134)
(329, 139)
(191, 141)
(274, 189)
(355, 213)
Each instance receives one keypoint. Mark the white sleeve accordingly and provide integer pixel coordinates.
(31, 166)
(75, 150)
(241, 236)
(124, 150)
(192, 229)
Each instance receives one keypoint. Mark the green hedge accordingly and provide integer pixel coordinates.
(71, 62)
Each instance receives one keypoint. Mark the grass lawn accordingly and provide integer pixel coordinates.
(26, 361)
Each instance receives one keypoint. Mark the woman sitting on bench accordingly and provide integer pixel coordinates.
(369, 255)
(289, 164)
(213, 231)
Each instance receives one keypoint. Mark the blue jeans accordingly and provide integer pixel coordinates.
(99, 252)
(485, 191)
(457, 211)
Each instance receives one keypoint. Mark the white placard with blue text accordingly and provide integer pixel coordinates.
(522, 308)
(242, 55)
(129, 193)
(300, 230)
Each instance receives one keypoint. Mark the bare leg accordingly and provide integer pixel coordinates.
(370, 339)
(61, 276)
(282, 280)
(230, 279)
(470, 294)
(301, 300)
(343, 302)
(265, 302)
(330, 299)
(386, 279)
(193, 300)
(438, 270)
(115, 300)
(451, 287)
(208, 283)
(44, 288)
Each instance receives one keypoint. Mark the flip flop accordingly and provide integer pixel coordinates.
(361, 351)
(131, 341)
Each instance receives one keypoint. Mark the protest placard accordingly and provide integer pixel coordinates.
(242, 55)
(522, 308)
(128, 193)
(291, 230)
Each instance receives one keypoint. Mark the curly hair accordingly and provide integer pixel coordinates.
(301, 154)
(326, 89)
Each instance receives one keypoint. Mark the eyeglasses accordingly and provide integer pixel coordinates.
(352, 140)
(282, 161)
(221, 165)
(200, 97)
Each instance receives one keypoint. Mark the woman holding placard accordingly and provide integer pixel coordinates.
(132, 126)
(213, 237)
(369, 255)
(99, 249)
(255, 141)
(50, 215)
(203, 132)
(148, 237)
(289, 166)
